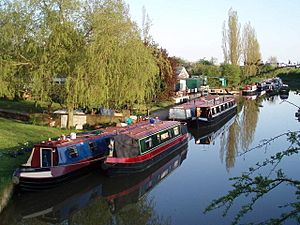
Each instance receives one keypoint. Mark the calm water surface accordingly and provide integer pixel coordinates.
(178, 190)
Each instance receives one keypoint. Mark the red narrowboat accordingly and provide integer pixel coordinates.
(137, 149)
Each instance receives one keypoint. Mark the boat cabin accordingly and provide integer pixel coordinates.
(144, 139)
(68, 150)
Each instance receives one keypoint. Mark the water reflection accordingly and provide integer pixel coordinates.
(95, 199)
(235, 132)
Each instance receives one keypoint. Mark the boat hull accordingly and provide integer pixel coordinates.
(150, 159)
(31, 179)
(247, 93)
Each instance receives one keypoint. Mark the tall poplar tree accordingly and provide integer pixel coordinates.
(231, 43)
(251, 51)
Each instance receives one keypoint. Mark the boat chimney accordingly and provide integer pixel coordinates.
(73, 136)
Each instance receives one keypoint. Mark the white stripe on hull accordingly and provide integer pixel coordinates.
(43, 174)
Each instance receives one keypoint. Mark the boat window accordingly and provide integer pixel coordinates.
(164, 136)
(158, 137)
(72, 152)
(46, 157)
(93, 146)
(176, 131)
(148, 143)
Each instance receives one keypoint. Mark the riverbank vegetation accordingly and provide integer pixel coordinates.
(80, 54)
(16, 139)
(265, 177)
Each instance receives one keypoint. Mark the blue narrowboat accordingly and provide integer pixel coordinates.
(55, 161)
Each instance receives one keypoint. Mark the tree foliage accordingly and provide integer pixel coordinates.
(92, 45)
(232, 73)
(231, 43)
(251, 51)
(253, 185)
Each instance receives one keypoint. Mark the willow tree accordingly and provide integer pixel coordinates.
(59, 53)
(15, 47)
(166, 78)
(251, 51)
(231, 42)
(120, 69)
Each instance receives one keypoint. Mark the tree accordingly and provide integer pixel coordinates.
(251, 51)
(93, 45)
(60, 52)
(166, 78)
(231, 73)
(273, 60)
(120, 69)
(231, 43)
(16, 48)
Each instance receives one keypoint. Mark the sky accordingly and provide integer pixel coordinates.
(192, 29)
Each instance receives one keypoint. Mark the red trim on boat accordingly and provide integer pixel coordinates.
(147, 156)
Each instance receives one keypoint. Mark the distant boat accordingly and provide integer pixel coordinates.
(206, 110)
(55, 161)
(138, 149)
(250, 90)
(274, 85)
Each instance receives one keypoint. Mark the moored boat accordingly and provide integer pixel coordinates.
(91, 191)
(217, 111)
(207, 110)
(274, 85)
(54, 161)
(140, 148)
(250, 89)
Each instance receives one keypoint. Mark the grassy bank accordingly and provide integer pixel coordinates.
(28, 106)
(14, 138)
(292, 79)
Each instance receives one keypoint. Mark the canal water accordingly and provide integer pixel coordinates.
(178, 190)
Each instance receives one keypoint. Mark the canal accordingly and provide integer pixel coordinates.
(178, 190)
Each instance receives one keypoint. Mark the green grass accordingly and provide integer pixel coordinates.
(13, 135)
(292, 79)
(27, 106)
(161, 105)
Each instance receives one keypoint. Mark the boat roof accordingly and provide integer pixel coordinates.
(148, 128)
(206, 102)
(80, 137)
(137, 130)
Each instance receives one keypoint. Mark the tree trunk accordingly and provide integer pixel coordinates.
(70, 117)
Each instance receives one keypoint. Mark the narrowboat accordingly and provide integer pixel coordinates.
(132, 191)
(217, 111)
(55, 161)
(207, 110)
(189, 111)
(89, 192)
(250, 90)
(274, 85)
(261, 86)
(135, 150)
